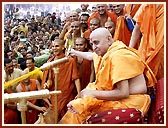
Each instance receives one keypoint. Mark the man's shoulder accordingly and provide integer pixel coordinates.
(94, 15)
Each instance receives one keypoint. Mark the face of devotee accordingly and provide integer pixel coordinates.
(29, 55)
(30, 65)
(74, 17)
(10, 54)
(57, 48)
(118, 8)
(101, 8)
(80, 45)
(9, 67)
(110, 26)
(23, 52)
(14, 63)
(110, 8)
(75, 27)
(84, 7)
(83, 21)
(41, 44)
(94, 8)
(94, 24)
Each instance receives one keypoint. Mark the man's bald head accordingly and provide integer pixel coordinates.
(110, 26)
(101, 40)
(100, 32)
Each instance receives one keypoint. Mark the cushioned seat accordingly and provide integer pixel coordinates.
(119, 116)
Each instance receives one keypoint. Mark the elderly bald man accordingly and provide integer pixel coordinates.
(119, 83)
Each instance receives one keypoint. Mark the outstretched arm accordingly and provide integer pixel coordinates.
(85, 55)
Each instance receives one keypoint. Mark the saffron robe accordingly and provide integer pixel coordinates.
(68, 72)
(119, 63)
(85, 71)
(112, 16)
(151, 48)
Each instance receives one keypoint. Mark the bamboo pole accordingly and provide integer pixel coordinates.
(22, 98)
(56, 71)
(40, 94)
(52, 64)
(22, 107)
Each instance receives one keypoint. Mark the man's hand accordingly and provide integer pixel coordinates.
(71, 109)
(43, 109)
(86, 92)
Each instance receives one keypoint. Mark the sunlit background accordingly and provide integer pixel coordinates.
(41, 9)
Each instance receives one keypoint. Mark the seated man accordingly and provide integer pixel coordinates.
(34, 109)
(120, 81)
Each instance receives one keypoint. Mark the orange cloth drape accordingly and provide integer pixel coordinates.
(151, 49)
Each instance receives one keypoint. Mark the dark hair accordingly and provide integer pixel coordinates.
(48, 14)
(30, 52)
(85, 14)
(53, 36)
(15, 32)
(7, 61)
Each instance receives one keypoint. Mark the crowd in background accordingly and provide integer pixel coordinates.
(27, 39)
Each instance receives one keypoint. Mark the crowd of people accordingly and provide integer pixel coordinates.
(110, 65)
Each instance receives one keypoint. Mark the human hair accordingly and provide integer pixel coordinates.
(30, 52)
(52, 38)
(7, 61)
(84, 14)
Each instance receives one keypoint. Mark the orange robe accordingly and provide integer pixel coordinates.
(11, 116)
(31, 114)
(68, 72)
(151, 49)
(85, 71)
(129, 9)
(121, 32)
(86, 34)
(113, 67)
(112, 15)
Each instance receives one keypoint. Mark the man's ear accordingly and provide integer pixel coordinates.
(110, 40)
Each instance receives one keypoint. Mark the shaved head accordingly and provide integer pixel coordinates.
(101, 40)
(58, 41)
(100, 32)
